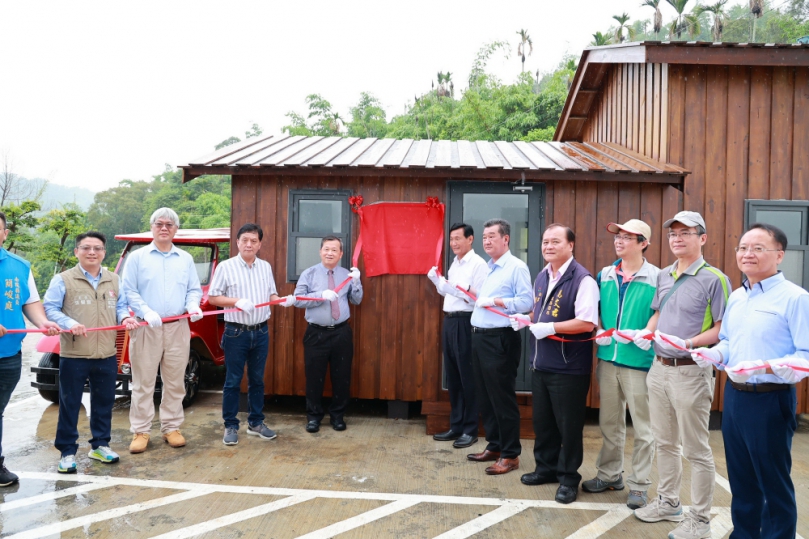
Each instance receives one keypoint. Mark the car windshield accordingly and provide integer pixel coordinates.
(202, 255)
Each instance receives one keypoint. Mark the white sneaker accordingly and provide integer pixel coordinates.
(660, 510)
(691, 528)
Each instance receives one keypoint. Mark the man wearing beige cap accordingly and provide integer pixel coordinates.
(689, 304)
(627, 289)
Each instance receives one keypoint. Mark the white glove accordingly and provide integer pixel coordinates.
(739, 373)
(540, 330)
(154, 319)
(519, 321)
(699, 355)
(329, 295)
(354, 274)
(640, 339)
(445, 288)
(628, 335)
(485, 302)
(195, 312)
(667, 349)
(783, 369)
(245, 305)
(462, 284)
(289, 301)
(433, 275)
(603, 341)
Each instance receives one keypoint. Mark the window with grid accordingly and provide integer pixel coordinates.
(791, 216)
(314, 214)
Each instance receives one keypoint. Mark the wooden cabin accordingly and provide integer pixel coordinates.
(648, 129)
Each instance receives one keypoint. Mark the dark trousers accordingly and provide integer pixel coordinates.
(560, 406)
(757, 429)
(495, 358)
(243, 347)
(457, 344)
(334, 349)
(73, 374)
(10, 370)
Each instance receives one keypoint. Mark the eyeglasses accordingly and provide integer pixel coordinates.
(683, 235)
(757, 249)
(94, 248)
(160, 225)
(623, 237)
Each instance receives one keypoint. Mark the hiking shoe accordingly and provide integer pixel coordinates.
(67, 464)
(104, 454)
(231, 436)
(139, 442)
(6, 477)
(599, 485)
(691, 528)
(637, 499)
(261, 430)
(174, 438)
(660, 510)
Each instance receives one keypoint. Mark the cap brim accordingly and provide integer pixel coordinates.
(686, 222)
(614, 228)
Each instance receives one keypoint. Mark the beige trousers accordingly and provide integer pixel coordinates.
(620, 387)
(680, 408)
(166, 347)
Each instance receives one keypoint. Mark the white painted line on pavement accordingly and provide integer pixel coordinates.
(602, 524)
(48, 496)
(360, 520)
(234, 518)
(24, 401)
(722, 482)
(479, 524)
(721, 523)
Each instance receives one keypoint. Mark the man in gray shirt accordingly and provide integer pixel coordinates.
(328, 340)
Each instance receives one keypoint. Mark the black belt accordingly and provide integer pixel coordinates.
(329, 328)
(246, 327)
(490, 330)
(675, 361)
(454, 314)
(760, 388)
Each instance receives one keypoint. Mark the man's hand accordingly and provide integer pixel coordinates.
(79, 329)
(540, 330)
(3, 331)
(154, 319)
(519, 321)
(355, 274)
(783, 369)
(196, 312)
(245, 305)
(742, 372)
(329, 295)
(626, 335)
(640, 339)
(667, 349)
(52, 327)
(461, 284)
(485, 302)
(433, 275)
(289, 301)
(699, 355)
(603, 341)
(130, 323)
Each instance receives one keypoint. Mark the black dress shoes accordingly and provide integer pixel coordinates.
(338, 424)
(465, 440)
(535, 478)
(566, 494)
(313, 426)
(446, 436)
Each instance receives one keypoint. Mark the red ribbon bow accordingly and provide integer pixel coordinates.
(355, 203)
(432, 202)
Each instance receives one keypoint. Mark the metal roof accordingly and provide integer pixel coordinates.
(462, 158)
(189, 235)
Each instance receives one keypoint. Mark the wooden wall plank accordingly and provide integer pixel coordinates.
(800, 136)
(676, 120)
(642, 105)
(783, 98)
(664, 113)
(760, 129)
(715, 163)
(651, 203)
(649, 118)
(656, 111)
(695, 136)
(631, 112)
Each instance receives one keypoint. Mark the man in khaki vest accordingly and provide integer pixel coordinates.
(77, 299)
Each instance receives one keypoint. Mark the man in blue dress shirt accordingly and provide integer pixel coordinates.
(328, 341)
(765, 332)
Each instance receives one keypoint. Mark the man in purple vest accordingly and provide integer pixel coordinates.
(565, 301)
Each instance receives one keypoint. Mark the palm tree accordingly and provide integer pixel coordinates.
(619, 32)
(757, 8)
(524, 38)
(334, 122)
(443, 79)
(718, 11)
(684, 22)
(658, 20)
(599, 40)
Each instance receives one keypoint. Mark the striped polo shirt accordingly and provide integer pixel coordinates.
(235, 279)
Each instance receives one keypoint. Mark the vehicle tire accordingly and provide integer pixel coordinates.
(49, 360)
(192, 376)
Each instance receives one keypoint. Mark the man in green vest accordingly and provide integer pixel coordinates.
(627, 290)
(86, 296)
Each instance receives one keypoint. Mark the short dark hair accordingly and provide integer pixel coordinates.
(331, 238)
(91, 234)
(569, 234)
(3, 217)
(250, 228)
(503, 226)
(700, 230)
(641, 239)
(467, 230)
(776, 233)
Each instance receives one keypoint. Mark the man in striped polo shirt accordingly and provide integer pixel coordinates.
(245, 281)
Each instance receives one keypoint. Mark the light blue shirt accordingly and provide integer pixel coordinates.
(55, 298)
(767, 321)
(510, 280)
(166, 283)
(313, 282)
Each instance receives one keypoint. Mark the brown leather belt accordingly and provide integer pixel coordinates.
(759, 388)
(675, 361)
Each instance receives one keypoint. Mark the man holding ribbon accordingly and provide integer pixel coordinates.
(86, 296)
(566, 303)
(496, 350)
(21, 298)
(690, 304)
(467, 272)
(764, 348)
(328, 341)
(245, 281)
(160, 281)
(627, 290)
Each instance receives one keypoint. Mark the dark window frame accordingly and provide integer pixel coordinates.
(751, 206)
(295, 196)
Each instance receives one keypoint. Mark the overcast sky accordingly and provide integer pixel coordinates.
(94, 92)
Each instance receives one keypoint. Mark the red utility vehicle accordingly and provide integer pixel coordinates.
(206, 334)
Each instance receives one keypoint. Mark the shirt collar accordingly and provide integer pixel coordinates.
(153, 247)
(619, 269)
(89, 275)
(691, 270)
(767, 284)
(501, 261)
(562, 270)
(244, 262)
(467, 257)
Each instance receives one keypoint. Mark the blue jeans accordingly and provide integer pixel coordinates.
(10, 369)
(73, 373)
(242, 348)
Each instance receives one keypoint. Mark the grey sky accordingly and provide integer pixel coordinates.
(95, 92)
